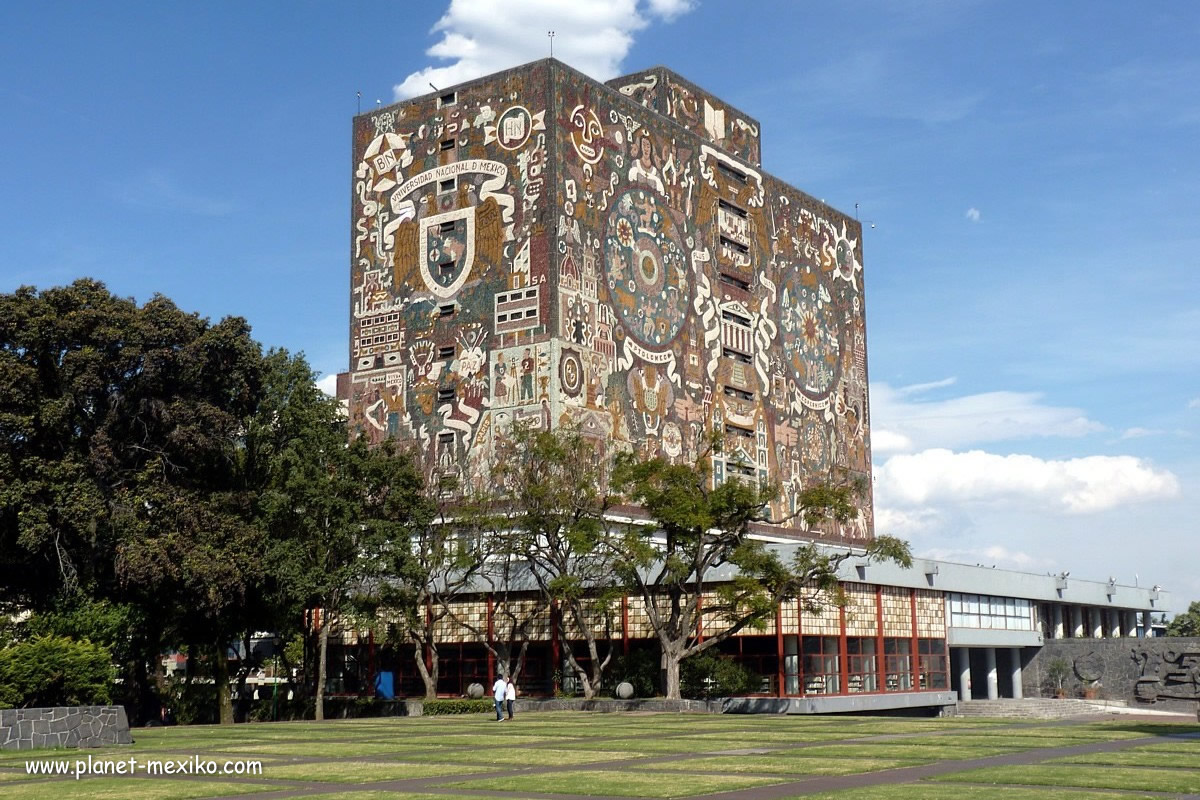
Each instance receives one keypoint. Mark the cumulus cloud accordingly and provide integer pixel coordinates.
(973, 214)
(1074, 486)
(993, 556)
(905, 420)
(328, 384)
(483, 36)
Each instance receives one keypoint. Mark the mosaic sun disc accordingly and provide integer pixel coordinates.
(646, 268)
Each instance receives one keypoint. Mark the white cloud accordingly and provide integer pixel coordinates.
(1138, 433)
(670, 9)
(1194, 402)
(973, 214)
(993, 556)
(1074, 486)
(483, 36)
(328, 384)
(885, 441)
(904, 421)
(907, 523)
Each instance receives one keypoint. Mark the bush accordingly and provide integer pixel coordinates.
(641, 669)
(712, 675)
(435, 708)
(191, 702)
(55, 671)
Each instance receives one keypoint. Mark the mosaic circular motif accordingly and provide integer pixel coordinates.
(646, 269)
(570, 373)
(809, 334)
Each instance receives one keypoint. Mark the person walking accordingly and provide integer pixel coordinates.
(510, 696)
(499, 691)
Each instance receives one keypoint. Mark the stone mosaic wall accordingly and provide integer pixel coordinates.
(537, 245)
(1160, 673)
(700, 112)
(75, 726)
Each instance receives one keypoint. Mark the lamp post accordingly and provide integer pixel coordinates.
(276, 642)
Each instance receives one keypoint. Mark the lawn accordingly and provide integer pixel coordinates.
(644, 755)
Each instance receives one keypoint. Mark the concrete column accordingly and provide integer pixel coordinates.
(1097, 623)
(993, 679)
(1077, 622)
(1114, 623)
(1130, 628)
(1015, 655)
(1146, 632)
(1056, 611)
(964, 672)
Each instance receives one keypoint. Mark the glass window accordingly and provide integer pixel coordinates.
(932, 664)
(820, 665)
(861, 670)
(897, 664)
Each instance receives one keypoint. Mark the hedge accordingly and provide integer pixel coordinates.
(55, 671)
(435, 708)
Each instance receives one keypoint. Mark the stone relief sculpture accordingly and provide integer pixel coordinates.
(1168, 674)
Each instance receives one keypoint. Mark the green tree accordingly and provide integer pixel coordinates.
(55, 671)
(432, 560)
(119, 432)
(1187, 623)
(556, 485)
(696, 528)
(338, 511)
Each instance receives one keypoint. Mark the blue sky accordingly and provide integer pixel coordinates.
(1030, 169)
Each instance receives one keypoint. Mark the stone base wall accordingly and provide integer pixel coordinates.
(73, 726)
(609, 705)
(1158, 673)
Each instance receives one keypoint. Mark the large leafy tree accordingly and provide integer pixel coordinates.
(338, 511)
(557, 488)
(1187, 623)
(119, 431)
(695, 528)
(434, 561)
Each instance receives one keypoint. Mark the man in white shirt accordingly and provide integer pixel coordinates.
(499, 689)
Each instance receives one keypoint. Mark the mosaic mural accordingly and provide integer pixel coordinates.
(536, 245)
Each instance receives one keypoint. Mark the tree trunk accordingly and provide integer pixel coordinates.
(589, 688)
(220, 673)
(670, 674)
(322, 660)
(429, 674)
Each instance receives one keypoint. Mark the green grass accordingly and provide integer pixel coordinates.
(357, 771)
(900, 749)
(517, 759)
(1136, 758)
(1084, 777)
(774, 764)
(623, 784)
(127, 789)
(573, 753)
(965, 792)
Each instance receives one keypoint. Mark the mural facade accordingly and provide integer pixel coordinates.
(537, 245)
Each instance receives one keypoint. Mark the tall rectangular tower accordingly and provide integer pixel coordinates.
(536, 245)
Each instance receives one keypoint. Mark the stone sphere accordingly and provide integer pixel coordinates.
(475, 691)
(624, 690)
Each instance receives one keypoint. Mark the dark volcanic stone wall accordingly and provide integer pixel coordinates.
(1163, 674)
(77, 726)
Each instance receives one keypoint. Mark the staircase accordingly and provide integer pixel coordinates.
(1036, 708)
